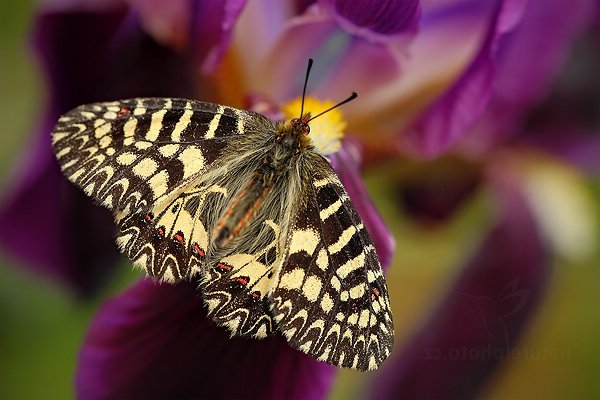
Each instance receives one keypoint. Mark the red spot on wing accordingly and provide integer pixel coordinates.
(239, 283)
(179, 238)
(255, 295)
(242, 280)
(224, 267)
(161, 231)
(147, 218)
(197, 250)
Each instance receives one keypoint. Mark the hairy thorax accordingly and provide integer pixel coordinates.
(291, 140)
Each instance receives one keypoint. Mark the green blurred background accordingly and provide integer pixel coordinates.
(41, 325)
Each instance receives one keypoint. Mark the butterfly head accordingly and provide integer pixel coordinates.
(294, 134)
(324, 132)
(328, 129)
(300, 125)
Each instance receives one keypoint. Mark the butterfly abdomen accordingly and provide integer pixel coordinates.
(239, 212)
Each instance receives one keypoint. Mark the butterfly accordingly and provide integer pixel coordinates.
(244, 206)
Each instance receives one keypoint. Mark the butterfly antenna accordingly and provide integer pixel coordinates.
(310, 63)
(352, 97)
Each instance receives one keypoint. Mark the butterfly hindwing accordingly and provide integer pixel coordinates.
(330, 298)
(235, 287)
(171, 241)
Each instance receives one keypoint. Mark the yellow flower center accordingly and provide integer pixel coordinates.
(326, 131)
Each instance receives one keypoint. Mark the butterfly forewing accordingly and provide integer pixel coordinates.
(129, 154)
(330, 298)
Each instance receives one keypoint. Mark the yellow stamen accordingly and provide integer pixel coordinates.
(326, 131)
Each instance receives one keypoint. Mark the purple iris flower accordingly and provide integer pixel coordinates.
(433, 76)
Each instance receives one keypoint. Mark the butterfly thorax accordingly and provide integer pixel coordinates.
(291, 140)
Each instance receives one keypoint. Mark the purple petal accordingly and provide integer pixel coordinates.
(156, 341)
(346, 163)
(93, 56)
(300, 6)
(577, 146)
(524, 75)
(530, 56)
(259, 103)
(422, 75)
(339, 58)
(376, 20)
(443, 122)
(202, 26)
(50, 225)
(213, 27)
(259, 26)
(479, 322)
(167, 21)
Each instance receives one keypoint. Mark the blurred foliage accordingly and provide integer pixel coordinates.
(42, 325)
(19, 81)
